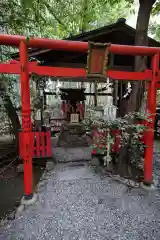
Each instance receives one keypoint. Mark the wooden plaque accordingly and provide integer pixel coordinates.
(97, 59)
(74, 118)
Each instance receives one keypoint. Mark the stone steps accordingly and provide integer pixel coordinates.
(65, 155)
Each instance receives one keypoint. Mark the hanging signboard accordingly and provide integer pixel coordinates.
(97, 60)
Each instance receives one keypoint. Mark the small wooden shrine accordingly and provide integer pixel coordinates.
(73, 106)
(73, 109)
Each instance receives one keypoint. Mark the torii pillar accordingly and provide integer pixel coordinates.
(26, 123)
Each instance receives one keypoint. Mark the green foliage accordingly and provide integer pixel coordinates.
(156, 8)
(56, 18)
(154, 29)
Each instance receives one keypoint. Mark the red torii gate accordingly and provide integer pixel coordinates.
(24, 68)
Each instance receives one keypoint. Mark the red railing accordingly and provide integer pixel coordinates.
(40, 144)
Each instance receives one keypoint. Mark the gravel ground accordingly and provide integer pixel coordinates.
(75, 203)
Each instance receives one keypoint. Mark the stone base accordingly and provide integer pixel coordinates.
(24, 203)
(49, 166)
(147, 187)
(19, 210)
(27, 202)
(95, 161)
(72, 135)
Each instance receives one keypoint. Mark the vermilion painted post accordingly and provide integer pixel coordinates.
(149, 135)
(26, 121)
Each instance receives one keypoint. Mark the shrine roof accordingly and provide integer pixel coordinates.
(117, 33)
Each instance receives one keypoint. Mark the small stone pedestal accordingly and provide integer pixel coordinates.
(72, 135)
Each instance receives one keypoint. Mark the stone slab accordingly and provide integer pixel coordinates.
(71, 154)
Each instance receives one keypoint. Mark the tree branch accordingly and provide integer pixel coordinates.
(54, 15)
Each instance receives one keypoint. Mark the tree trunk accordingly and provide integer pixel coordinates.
(141, 39)
(12, 114)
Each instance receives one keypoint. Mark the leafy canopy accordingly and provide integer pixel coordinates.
(58, 18)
